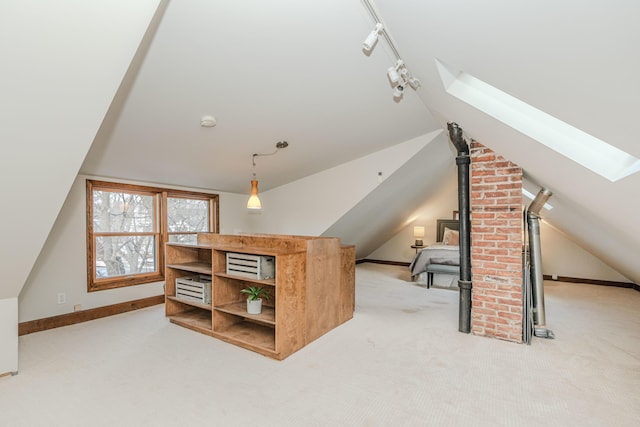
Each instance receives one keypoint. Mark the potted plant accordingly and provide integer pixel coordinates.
(255, 295)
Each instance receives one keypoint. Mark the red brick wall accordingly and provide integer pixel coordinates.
(496, 245)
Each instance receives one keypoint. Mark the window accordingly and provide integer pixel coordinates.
(127, 226)
(594, 154)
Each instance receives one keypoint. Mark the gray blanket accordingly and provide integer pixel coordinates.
(434, 254)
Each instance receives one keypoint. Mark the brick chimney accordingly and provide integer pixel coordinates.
(496, 245)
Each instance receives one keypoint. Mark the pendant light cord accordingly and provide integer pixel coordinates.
(279, 146)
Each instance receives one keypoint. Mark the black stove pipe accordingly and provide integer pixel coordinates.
(463, 160)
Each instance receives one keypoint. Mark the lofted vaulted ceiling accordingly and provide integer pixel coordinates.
(293, 70)
(268, 71)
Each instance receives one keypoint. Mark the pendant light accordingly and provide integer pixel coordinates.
(254, 201)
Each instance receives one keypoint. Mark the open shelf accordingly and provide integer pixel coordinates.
(197, 320)
(191, 303)
(268, 282)
(267, 316)
(194, 267)
(250, 334)
(256, 250)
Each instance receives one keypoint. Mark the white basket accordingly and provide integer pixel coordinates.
(194, 289)
(258, 267)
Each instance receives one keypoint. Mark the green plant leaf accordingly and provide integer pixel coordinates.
(256, 292)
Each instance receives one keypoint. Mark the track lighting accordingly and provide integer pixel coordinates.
(398, 75)
(400, 78)
(372, 39)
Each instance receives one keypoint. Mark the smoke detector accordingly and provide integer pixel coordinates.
(208, 121)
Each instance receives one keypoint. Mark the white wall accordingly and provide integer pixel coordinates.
(563, 257)
(61, 266)
(307, 207)
(9, 335)
(62, 64)
(312, 204)
(560, 255)
(440, 206)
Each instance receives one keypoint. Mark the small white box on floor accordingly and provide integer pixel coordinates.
(258, 267)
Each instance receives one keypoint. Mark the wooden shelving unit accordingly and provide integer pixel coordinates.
(313, 290)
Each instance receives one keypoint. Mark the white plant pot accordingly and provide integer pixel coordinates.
(255, 306)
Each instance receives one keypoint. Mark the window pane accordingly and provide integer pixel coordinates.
(120, 212)
(125, 255)
(187, 215)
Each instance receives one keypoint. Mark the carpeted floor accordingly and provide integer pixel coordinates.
(399, 362)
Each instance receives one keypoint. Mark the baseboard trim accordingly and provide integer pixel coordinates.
(628, 285)
(593, 282)
(38, 325)
(380, 261)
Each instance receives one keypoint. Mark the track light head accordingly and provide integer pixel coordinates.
(398, 91)
(400, 78)
(414, 83)
(395, 73)
(372, 39)
(394, 76)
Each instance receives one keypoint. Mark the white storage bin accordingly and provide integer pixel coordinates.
(258, 267)
(194, 289)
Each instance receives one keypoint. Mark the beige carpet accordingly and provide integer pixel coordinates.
(399, 362)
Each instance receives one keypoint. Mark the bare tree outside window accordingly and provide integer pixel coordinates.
(186, 217)
(122, 214)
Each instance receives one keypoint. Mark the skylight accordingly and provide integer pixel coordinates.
(587, 150)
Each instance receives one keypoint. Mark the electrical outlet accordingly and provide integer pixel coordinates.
(62, 298)
(554, 276)
(77, 307)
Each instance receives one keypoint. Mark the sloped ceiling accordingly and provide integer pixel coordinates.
(292, 70)
(268, 71)
(384, 211)
(574, 60)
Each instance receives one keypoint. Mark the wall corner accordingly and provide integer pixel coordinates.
(8, 336)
